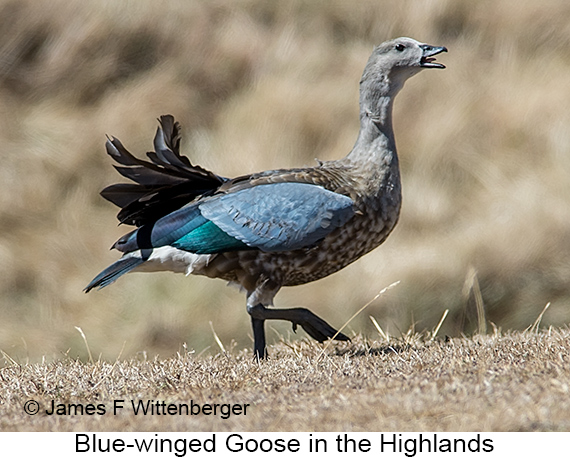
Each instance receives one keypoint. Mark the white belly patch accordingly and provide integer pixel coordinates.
(168, 258)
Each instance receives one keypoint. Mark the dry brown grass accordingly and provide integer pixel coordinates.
(484, 145)
(518, 381)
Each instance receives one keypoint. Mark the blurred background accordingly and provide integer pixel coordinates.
(256, 84)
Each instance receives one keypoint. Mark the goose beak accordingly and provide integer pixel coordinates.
(427, 60)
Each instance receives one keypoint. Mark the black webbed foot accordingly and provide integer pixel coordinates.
(316, 327)
(313, 325)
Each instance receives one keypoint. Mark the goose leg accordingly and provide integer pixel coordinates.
(315, 327)
(259, 350)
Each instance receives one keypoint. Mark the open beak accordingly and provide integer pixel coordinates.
(427, 60)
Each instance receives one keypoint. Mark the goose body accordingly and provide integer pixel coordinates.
(275, 228)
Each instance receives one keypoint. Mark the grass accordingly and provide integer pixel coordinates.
(513, 381)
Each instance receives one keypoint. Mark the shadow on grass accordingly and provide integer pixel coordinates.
(389, 349)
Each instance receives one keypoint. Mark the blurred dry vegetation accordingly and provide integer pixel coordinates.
(256, 84)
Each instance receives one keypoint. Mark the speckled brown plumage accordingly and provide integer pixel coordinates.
(377, 211)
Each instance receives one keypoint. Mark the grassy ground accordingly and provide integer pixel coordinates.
(517, 381)
(484, 147)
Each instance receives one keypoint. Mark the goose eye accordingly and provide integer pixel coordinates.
(400, 47)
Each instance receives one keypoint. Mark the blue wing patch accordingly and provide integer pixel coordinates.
(209, 239)
(270, 217)
(280, 216)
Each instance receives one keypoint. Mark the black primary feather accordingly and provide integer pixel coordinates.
(165, 184)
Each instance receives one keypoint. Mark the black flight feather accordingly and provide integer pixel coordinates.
(165, 184)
